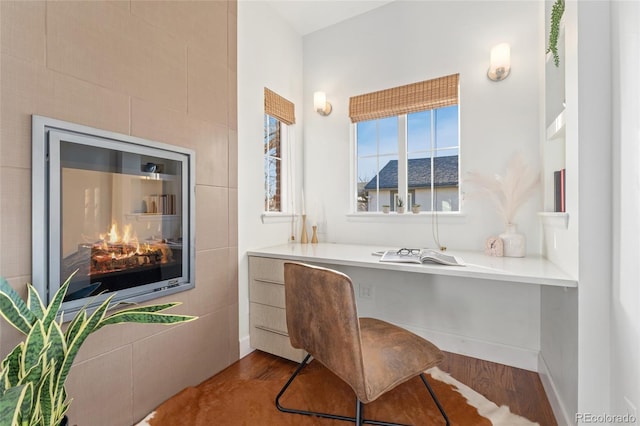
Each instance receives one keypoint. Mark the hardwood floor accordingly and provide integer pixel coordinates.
(519, 389)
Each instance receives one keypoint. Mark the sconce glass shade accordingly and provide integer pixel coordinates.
(320, 103)
(500, 62)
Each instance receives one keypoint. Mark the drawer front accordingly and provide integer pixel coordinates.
(266, 269)
(266, 293)
(268, 318)
(268, 332)
(275, 344)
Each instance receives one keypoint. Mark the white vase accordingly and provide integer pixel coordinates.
(514, 243)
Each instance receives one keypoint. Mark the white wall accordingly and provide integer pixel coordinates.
(405, 42)
(625, 303)
(269, 55)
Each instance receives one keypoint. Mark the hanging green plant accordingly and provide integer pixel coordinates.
(556, 14)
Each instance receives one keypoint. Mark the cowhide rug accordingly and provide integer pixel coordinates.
(251, 402)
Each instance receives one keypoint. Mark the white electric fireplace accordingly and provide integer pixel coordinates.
(114, 210)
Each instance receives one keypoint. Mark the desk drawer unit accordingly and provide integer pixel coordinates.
(267, 319)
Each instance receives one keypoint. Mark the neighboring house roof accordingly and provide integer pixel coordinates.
(419, 173)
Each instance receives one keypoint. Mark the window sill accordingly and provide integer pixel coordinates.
(276, 217)
(393, 217)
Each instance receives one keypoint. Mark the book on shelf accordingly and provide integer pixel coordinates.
(160, 204)
(421, 256)
(559, 185)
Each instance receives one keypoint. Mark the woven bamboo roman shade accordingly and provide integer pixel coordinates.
(429, 94)
(278, 107)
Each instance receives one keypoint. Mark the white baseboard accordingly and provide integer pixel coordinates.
(245, 347)
(513, 356)
(552, 394)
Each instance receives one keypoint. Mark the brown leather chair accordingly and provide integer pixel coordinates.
(370, 355)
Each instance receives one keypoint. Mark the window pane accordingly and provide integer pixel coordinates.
(377, 155)
(446, 172)
(418, 133)
(272, 164)
(447, 127)
(374, 194)
(388, 135)
(367, 139)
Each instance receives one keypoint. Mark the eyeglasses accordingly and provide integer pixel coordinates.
(408, 251)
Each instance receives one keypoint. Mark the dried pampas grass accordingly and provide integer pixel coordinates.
(509, 192)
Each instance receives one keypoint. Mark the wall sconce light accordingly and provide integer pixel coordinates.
(500, 62)
(320, 103)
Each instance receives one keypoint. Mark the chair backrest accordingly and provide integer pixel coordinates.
(322, 319)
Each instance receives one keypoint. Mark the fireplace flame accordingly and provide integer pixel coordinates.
(116, 252)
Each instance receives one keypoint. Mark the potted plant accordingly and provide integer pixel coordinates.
(386, 208)
(415, 208)
(32, 376)
(400, 205)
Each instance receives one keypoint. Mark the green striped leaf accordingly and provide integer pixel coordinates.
(57, 345)
(56, 302)
(75, 326)
(45, 393)
(150, 308)
(85, 329)
(11, 403)
(11, 367)
(13, 308)
(34, 345)
(146, 318)
(34, 303)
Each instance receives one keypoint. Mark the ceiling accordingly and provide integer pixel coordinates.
(307, 16)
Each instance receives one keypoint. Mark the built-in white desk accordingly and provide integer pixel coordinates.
(531, 269)
(488, 309)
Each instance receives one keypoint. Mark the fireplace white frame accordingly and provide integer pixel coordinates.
(47, 134)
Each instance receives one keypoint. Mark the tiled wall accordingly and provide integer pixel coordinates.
(159, 70)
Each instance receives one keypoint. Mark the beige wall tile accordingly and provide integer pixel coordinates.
(232, 6)
(207, 86)
(233, 100)
(232, 39)
(15, 221)
(182, 356)
(234, 338)
(80, 102)
(151, 121)
(233, 158)
(212, 290)
(200, 24)
(25, 88)
(211, 143)
(102, 389)
(15, 17)
(102, 44)
(233, 275)
(212, 217)
(233, 217)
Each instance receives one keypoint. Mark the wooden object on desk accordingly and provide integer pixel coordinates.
(314, 236)
(304, 238)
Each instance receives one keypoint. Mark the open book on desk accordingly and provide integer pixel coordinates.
(421, 256)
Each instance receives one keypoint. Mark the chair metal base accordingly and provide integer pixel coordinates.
(358, 419)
